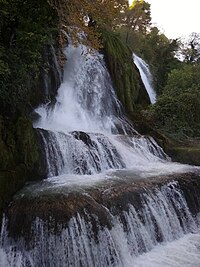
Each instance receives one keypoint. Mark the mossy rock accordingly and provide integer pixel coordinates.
(10, 182)
(7, 144)
(185, 154)
(26, 143)
(20, 156)
(126, 78)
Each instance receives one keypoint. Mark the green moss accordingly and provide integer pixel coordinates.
(26, 29)
(7, 145)
(185, 154)
(123, 72)
(20, 156)
(27, 147)
(10, 182)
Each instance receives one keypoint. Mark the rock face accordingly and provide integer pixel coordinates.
(57, 206)
(50, 76)
(126, 78)
(32, 77)
(187, 154)
(19, 156)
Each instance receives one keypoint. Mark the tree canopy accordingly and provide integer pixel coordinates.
(190, 48)
(88, 16)
(138, 16)
(177, 109)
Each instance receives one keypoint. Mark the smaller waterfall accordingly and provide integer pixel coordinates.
(146, 77)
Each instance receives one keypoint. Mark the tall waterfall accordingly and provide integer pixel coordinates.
(146, 77)
(85, 131)
(90, 149)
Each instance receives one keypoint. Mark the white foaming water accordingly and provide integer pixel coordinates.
(90, 154)
(11, 258)
(184, 252)
(146, 77)
(86, 102)
(162, 233)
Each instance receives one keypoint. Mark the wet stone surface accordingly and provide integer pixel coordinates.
(57, 205)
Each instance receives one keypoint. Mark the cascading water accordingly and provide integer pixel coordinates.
(86, 102)
(146, 77)
(88, 141)
(162, 232)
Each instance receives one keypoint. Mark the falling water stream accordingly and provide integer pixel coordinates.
(88, 141)
(146, 77)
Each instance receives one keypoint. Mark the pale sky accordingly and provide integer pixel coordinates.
(176, 18)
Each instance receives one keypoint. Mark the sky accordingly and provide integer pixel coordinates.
(176, 18)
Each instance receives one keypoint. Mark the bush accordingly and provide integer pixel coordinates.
(177, 110)
(25, 27)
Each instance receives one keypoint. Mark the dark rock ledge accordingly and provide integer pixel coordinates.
(58, 205)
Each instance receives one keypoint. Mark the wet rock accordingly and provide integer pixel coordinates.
(83, 137)
(19, 157)
(57, 207)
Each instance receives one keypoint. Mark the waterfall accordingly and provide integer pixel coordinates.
(162, 232)
(82, 215)
(86, 100)
(146, 77)
(85, 131)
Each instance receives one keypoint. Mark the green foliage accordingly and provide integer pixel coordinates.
(135, 19)
(177, 110)
(190, 48)
(138, 17)
(123, 72)
(156, 49)
(183, 80)
(159, 52)
(25, 27)
(19, 156)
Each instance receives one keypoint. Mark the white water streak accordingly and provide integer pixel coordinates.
(146, 77)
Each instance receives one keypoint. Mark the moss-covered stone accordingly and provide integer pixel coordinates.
(125, 76)
(184, 153)
(20, 157)
(10, 182)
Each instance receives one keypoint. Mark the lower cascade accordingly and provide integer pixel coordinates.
(112, 197)
(156, 228)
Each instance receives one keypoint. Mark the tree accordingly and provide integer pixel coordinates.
(190, 50)
(177, 109)
(88, 17)
(137, 18)
(25, 28)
